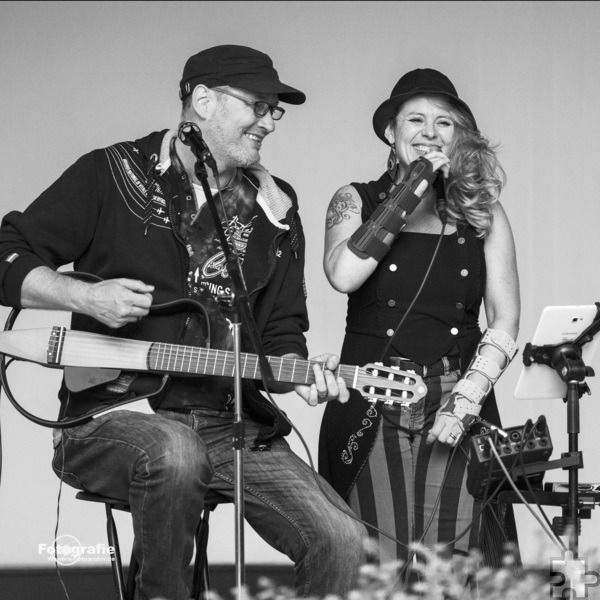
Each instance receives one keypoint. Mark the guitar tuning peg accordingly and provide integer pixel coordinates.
(396, 403)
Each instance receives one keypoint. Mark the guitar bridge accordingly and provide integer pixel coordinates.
(55, 345)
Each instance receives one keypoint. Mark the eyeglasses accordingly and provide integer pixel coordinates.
(260, 107)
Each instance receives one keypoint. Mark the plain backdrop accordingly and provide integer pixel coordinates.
(82, 75)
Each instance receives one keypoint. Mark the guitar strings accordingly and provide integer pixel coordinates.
(97, 351)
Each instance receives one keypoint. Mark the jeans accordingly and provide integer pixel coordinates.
(163, 464)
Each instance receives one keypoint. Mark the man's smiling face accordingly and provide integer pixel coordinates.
(234, 133)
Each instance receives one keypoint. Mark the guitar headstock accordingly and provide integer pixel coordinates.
(390, 385)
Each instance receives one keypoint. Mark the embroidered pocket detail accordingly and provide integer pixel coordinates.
(352, 445)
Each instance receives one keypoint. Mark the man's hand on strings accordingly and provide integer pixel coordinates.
(326, 386)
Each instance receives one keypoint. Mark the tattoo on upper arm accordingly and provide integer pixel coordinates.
(339, 207)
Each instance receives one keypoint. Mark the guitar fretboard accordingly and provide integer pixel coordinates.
(206, 361)
(60, 347)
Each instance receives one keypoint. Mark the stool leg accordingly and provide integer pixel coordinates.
(133, 569)
(113, 541)
(201, 577)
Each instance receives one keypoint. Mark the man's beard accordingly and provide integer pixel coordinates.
(231, 154)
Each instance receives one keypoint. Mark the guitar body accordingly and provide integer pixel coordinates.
(78, 379)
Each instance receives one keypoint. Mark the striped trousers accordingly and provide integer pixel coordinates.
(413, 491)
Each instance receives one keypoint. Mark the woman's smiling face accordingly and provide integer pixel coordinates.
(423, 125)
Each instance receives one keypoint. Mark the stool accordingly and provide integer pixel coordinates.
(200, 578)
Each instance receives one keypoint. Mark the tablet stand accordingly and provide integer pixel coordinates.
(566, 359)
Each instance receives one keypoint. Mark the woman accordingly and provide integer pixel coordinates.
(391, 462)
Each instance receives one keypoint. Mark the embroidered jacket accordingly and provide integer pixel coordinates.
(111, 215)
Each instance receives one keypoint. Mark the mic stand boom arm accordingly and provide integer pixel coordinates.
(190, 134)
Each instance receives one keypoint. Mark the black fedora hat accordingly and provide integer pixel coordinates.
(419, 81)
(237, 66)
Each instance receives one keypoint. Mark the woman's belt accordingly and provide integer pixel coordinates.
(443, 366)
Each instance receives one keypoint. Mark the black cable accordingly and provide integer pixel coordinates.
(60, 485)
(231, 254)
(88, 416)
(550, 533)
(1, 457)
(166, 308)
(485, 502)
(422, 433)
(284, 416)
(73, 421)
(156, 310)
(383, 357)
(316, 475)
(440, 205)
(348, 512)
(527, 482)
(436, 504)
(521, 460)
(500, 484)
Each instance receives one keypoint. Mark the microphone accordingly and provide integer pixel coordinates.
(440, 204)
(190, 134)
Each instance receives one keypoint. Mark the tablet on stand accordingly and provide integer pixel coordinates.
(557, 324)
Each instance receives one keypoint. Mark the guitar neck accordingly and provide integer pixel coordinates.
(76, 348)
(205, 361)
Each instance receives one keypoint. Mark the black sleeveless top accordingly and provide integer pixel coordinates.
(446, 313)
(443, 321)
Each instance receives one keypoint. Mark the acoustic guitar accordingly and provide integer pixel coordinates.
(90, 359)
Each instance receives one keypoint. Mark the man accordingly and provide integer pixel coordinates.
(135, 215)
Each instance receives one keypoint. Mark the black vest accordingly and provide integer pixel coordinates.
(443, 321)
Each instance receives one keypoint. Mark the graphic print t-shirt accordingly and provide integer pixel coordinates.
(208, 279)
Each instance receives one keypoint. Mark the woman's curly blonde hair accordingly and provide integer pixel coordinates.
(476, 175)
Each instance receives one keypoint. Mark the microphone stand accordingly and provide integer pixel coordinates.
(189, 133)
(565, 359)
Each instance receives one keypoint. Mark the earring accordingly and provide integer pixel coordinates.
(393, 166)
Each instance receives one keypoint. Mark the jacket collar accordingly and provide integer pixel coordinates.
(152, 143)
(273, 200)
